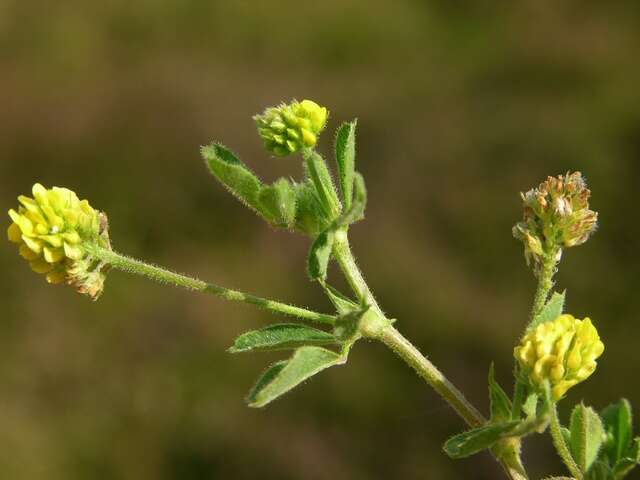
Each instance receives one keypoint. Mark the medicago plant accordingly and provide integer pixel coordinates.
(67, 240)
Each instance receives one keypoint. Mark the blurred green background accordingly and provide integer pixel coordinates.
(461, 105)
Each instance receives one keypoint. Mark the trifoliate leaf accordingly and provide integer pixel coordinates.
(281, 336)
(283, 376)
(630, 461)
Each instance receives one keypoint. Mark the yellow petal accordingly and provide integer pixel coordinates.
(53, 255)
(39, 193)
(56, 277)
(71, 237)
(53, 240)
(23, 222)
(73, 252)
(40, 266)
(27, 253)
(14, 234)
(33, 243)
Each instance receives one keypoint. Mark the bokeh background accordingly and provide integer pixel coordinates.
(461, 106)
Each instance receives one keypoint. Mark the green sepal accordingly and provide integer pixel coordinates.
(499, 402)
(233, 174)
(618, 424)
(277, 202)
(552, 310)
(478, 439)
(283, 376)
(317, 171)
(281, 336)
(346, 159)
(319, 255)
(587, 436)
(342, 303)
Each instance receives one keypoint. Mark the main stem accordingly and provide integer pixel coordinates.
(393, 339)
(161, 275)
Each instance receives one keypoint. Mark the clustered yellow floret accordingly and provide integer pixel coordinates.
(562, 352)
(286, 129)
(53, 229)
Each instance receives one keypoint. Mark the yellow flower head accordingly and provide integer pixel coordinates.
(562, 352)
(53, 230)
(286, 129)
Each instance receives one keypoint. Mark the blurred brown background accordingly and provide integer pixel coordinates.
(461, 105)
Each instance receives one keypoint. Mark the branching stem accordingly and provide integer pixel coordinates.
(162, 275)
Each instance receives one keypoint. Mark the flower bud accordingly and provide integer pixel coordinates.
(556, 216)
(562, 352)
(287, 129)
(53, 230)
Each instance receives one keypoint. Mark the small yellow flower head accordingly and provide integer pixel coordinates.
(556, 216)
(52, 230)
(287, 129)
(562, 352)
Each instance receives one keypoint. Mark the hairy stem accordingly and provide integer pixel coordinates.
(561, 445)
(402, 347)
(545, 282)
(161, 275)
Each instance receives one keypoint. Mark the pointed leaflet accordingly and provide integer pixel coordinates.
(358, 206)
(478, 439)
(587, 436)
(319, 174)
(619, 427)
(283, 376)
(309, 215)
(233, 174)
(281, 336)
(319, 255)
(346, 159)
(499, 401)
(278, 203)
(552, 309)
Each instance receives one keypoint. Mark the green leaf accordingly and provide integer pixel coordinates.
(356, 212)
(478, 439)
(552, 309)
(599, 471)
(343, 304)
(587, 436)
(630, 461)
(310, 218)
(283, 376)
(233, 174)
(500, 404)
(319, 255)
(278, 203)
(346, 159)
(318, 172)
(618, 424)
(281, 336)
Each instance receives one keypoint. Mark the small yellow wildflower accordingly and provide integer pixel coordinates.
(562, 352)
(52, 230)
(286, 129)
